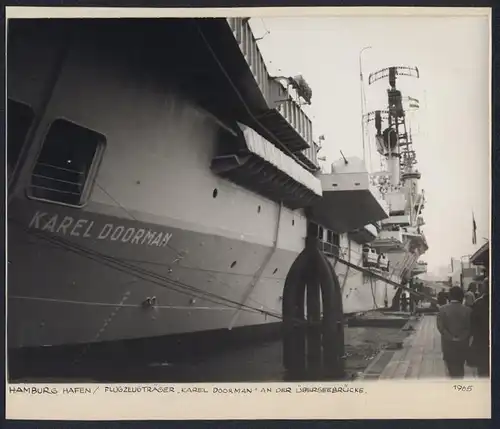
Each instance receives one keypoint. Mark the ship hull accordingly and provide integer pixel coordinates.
(68, 289)
(94, 285)
(163, 246)
(362, 292)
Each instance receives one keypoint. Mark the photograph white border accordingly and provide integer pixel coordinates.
(423, 399)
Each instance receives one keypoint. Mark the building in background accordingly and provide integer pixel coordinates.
(454, 275)
(468, 269)
(481, 260)
(470, 273)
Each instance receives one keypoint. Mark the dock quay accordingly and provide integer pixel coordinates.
(420, 356)
(391, 319)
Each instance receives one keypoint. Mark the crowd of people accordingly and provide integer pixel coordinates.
(463, 322)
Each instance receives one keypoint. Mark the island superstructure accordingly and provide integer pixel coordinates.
(401, 234)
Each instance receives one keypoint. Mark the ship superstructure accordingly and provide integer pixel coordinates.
(401, 234)
(159, 191)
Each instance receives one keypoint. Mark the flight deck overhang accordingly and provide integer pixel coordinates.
(388, 241)
(397, 221)
(364, 235)
(419, 268)
(349, 200)
(417, 240)
(255, 164)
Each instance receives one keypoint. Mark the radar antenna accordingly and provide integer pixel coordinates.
(392, 72)
(393, 140)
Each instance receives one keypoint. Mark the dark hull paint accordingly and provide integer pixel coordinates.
(75, 292)
(98, 298)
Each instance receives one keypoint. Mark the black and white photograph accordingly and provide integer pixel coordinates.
(250, 198)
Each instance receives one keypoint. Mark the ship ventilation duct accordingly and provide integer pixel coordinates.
(252, 162)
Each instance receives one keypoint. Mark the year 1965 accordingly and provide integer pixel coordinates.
(463, 388)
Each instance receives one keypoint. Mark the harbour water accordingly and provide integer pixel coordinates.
(260, 362)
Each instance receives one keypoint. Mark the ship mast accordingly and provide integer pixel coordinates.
(394, 140)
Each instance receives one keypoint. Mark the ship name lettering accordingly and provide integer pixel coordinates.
(66, 222)
(79, 223)
(84, 228)
(35, 221)
(86, 234)
(128, 235)
(149, 236)
(117, 233)
(138, 235)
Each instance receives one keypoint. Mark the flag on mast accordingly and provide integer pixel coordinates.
(474, 227)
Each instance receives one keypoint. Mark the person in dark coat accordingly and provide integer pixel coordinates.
(454, 325)
(480, 326)
(404, 302)
(470, 296)
(441, 298)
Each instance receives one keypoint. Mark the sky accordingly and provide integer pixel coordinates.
(451, 130)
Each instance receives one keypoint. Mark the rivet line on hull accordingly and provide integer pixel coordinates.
(104, 326)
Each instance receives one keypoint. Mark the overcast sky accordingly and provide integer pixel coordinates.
(451, 129)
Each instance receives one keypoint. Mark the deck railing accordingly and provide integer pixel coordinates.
(283, 103)
(297, 118)
(312, 153)
(248, 45)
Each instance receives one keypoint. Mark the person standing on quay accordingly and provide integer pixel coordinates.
(441, 298)
(454, 325)
(470, 296)
(480, 321)
(404, 302)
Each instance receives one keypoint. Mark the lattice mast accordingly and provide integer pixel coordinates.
(393, 137)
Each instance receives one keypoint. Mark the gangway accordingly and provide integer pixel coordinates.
(421, 295)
